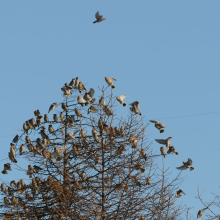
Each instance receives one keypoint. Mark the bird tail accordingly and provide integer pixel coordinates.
(113, 87)
(176, 153)
(4, 172)
(94, 22)
(124, 105)
(161, 131)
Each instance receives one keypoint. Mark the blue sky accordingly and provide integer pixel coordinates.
(165, 54)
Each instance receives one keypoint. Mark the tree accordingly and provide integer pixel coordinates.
(94, 166)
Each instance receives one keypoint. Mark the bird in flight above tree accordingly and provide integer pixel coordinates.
(98, 17)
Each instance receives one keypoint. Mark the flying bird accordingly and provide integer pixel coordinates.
(92, 109)
(98, 17)
(158, 125)
(186, 165)
(121, 100)
(164, 141)
(135, 107)
(172, 150)
(179, 193)
(200, 212)
(53, 106)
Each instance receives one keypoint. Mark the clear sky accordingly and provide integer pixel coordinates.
(164, 54)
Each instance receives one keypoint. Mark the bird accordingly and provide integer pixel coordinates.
(143, 154)
(76, 82)
(107, 110)
(12, 151)
(3, 189)
(135, 107)
(102, 101)
(164, 141)
(46, 119)
(172, 150)
(15, 140)
(72, 83)
(78, 113)
(53, 106)
(25, 128)
(7, 166)
(61, 117)
(95, 135)
(13, 183)
(30, 171)
(81, 87)
(92, 109)
(55, 118)
(148, 180)
(158, 125)
(64, 107)
(67, 91)
(186, 165)
(98, 17)
(88, 96)
(200, 212)
(51, 130)
(80, 100)
(163, 151)
(97, 159)
(121, 100)
(22, 149)
(71, 135)
(179, 193)
(109, 81)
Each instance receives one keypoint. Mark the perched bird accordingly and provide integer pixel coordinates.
(12, 151)
(200, 212)
(53, 106)
(67, 86)
(95, 135)
(102, 101)
(15, 140)
(22, 149)
(143, 154)
(25, 128)
(66, 91)
(186, 165)
(39, 121)
(98, 17)
(71, 135)
(64, 107)
(135, 107)
(51, 130)
(172, 150)
(30, 171)
(61, 117)
(179, 193)
(37, 114)
(13, 183)
(78, 113)
(72, 83)
(107, 110)
(3, 189)
(46, 153)
(46, 119)
(163, 151)
(76, 82)
(92, 109)
(27, 140)
(37, 168)
(97, 159)
(82, 133)
(81, 87)
(7, 166)
(80, 100)
(55, 118)
(6, 201)
(158, 125)
(164, 141)
(142, 217)
(12, 158)
(32, 122)
(109, 81)
(121, 100)
(148, 180)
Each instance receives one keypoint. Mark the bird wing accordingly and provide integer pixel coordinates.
(189, 162)
(152, 121)
(112, 79)
(161, 125)
(97, 16)
(122, 97)
(91, 92)
(161, 141)
(134, 103)
(182, 168)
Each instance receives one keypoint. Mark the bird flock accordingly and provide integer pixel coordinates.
(86, 99)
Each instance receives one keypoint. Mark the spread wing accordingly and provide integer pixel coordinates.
(182, 168)
(97, 16)
(91, 92)
(189, 162)
(161, 141)
(152, 121)
(123, 97)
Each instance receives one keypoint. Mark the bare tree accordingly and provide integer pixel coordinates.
(88, 163)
